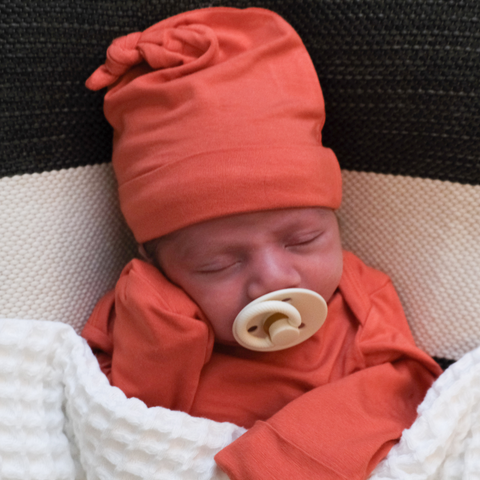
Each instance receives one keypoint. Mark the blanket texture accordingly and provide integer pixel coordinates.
(444, 441)
(60, 419)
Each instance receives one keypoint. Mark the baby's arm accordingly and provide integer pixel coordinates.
(150, 338)
(343, 429)
(98, 332)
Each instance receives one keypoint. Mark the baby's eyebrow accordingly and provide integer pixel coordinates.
(198, 252)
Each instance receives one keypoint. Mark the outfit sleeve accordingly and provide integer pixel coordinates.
(97, 332)
(150, 339)
(342, 429)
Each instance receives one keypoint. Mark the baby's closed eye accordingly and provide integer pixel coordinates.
(303, 239)
(217, 266)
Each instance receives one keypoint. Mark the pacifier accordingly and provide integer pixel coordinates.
(280, 319)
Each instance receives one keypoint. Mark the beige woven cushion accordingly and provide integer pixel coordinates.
(63, 244)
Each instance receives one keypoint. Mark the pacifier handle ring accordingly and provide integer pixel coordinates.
(270, 306)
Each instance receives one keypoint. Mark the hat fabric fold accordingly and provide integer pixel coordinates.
(215, 112)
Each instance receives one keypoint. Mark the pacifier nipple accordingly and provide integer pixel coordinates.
(280, 319)
(280, 332)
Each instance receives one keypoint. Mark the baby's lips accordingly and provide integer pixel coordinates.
(194, 47)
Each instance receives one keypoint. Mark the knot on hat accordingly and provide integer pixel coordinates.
(216, 112)
(176, 51)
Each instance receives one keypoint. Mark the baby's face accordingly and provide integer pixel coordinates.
(225, 263)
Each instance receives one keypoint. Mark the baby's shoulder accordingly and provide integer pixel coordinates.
(356, 271)
(362, 285)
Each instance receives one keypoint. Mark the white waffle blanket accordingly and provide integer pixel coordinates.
(60, 419)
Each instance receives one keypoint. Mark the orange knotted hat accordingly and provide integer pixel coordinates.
(215, 112)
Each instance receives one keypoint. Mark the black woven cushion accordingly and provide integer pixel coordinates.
(399, 79)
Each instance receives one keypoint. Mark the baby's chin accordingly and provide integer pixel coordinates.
(226, 340)
(229, 342)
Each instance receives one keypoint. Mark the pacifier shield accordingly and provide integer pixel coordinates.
(280, 319)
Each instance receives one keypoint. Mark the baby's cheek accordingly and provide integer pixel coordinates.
(336, 272)
(220, 307)
(326, 275)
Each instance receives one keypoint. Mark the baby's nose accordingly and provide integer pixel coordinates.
(272, 272)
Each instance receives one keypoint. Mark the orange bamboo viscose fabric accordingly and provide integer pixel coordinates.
(215, 112)
(328, 408)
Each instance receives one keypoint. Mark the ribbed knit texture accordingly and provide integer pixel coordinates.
(400, 80)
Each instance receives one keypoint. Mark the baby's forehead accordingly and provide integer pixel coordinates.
(234, 230)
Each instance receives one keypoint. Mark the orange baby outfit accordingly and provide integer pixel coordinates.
(217, 112)
(328, 408)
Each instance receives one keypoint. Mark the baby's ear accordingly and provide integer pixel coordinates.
(143, 254)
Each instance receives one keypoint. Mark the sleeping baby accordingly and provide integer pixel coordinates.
(223, 179)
